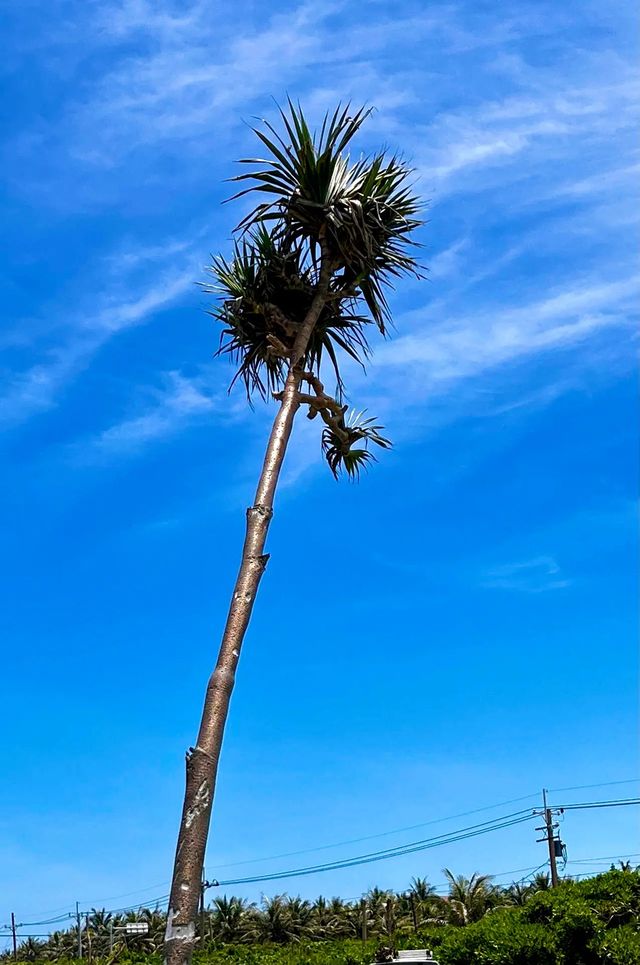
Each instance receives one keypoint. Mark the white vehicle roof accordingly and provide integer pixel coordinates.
(414, 955)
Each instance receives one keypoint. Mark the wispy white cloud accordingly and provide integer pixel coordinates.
(448, 262)
(159, 20)
(176, 404)
(470, 346)
(442, 372)
(184, 75)
(547, 126)
(198, 69)
(38, 387)
(538, 575)
(195, 75)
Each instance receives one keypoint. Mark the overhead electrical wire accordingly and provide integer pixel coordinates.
(495, 824)
(127, 894)
(604, 857)
(597, 804)
(505, 821)
(450, 838)
(584, 787)
(48, 921)
(380, 834)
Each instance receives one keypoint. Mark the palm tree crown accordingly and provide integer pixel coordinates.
(324, 222)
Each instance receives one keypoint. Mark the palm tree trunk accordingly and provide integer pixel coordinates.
(202, 760)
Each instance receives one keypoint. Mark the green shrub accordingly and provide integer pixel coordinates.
(621, 946)
(501, 938)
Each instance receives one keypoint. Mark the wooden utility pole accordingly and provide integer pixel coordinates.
(414, 915)
(550, 839)
(364, 919)
(79, 923)
(13, 936)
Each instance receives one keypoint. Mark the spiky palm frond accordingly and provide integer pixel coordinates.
(246, 286)
(364, 211)
(265, 292)
(338, 444)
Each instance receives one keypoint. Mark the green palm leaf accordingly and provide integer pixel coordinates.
(365, 211)
(264, 294)
(316, 206)
(338, 443)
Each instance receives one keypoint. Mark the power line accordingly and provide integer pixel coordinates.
(584, 787)
(127, 894)
(413, 847)
(372, 837)
(485, 827)
(597, 804)
(604, 857)
(153, 901)
(450, 838)
(152, 904)
(531, 871)
(46, 921)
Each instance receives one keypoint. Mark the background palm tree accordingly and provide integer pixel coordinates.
(422, 889)
(230, 919)
(614, 899)
(31, 950)
(541, 882)
(307, 280)
(469, 898)
(276, 923)
(518, 893)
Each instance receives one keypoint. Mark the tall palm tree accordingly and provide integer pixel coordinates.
(307, 280)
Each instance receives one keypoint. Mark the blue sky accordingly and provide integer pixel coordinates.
(455, 631)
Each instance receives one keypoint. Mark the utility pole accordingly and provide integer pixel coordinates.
(414, 915)
(88, 937)
(79, 924)
(548, 821)
(547, 814)
(110, 937)
(363, 905)
(13, 935)
(389, 917)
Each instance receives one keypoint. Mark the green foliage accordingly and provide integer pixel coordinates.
(346, 952)
(469, 898)
(338, 444)
(592, 922)
(501, 938)
(363, 212)
(621, 946)
(581, 915)
(265, 292)
(311, 266)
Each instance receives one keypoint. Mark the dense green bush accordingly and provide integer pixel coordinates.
(501, 938)
(585, 918)
(621, 946)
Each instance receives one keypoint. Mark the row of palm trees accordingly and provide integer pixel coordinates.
(284, 919)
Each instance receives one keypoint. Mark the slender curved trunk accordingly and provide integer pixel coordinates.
(202, 760)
